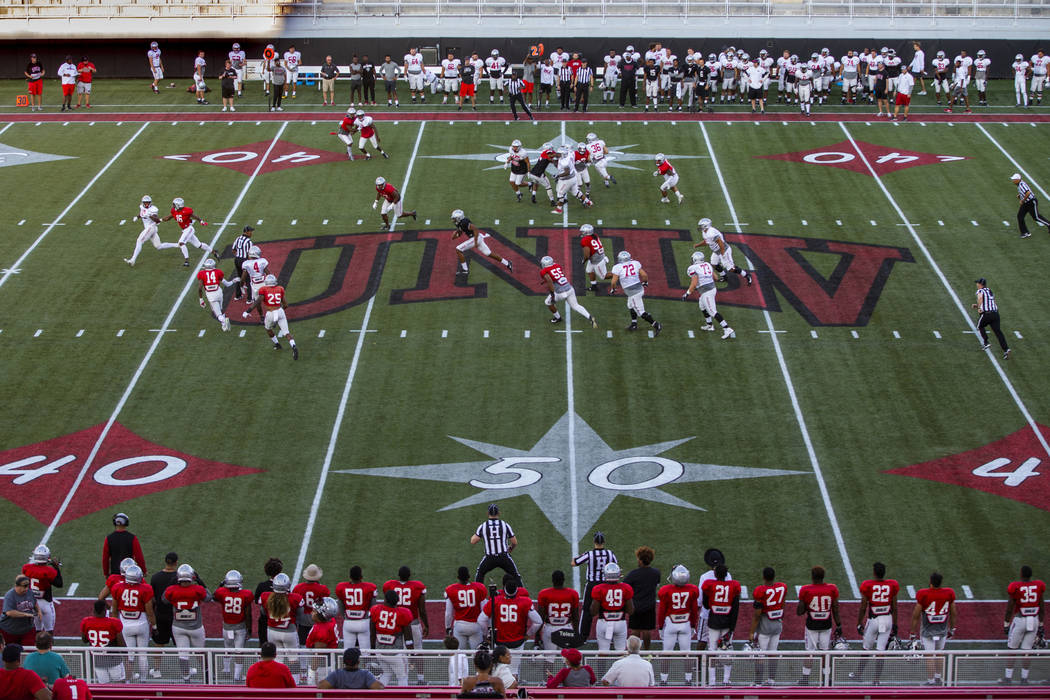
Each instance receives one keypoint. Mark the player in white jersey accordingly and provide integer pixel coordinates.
(495, 68)
(960, 80)
(199, 66)
(1039, 62)
(781, 74)
(980, 76)
(666, 62)
(253, 272)
(804, 87)
(450, 76)
(412, 65)
(633, 280)
(568, 180)
(599, 153)
(150, 217)
(827, 71)
(518, 164)
(941, 75)
(1022, 69)
(918, 66)
(769, 65)
(850, 77)
(292, 59)
(156, 66)
(875, 65)
(702, 278)
(611, 76)
(721, 253)
(237, 62)
(209, 287)
(727, 68)
(267, 67)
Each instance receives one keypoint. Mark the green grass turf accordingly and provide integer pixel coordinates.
(871, 404)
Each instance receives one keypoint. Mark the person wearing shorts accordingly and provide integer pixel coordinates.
(329, 72)
(67, 72)
(228, 86)
(34, 73)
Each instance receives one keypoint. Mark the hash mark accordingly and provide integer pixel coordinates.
(485, 333)
(241, 334)
(974, 222)
(599, 222)
(855, 334)
(21, 222)
(444, 333)
(259, 222)
(1006, 223)
(528, 334)
(937, 335)
(812, 334)
(72, 588)
(769, 221)
(123, 221)
(873, 222)
(201, 334)
(897, 335)
(690, 333)
(911, 591)
(404, 333)
(320, 333)
(1018, 334)
(80, 332)
(940, 223)
(120, 333)
(531, 222)
(295, 221)
(608, 334)
(495, 222)
(838, 222)
(325, 222)
(360, 221)
(88, 222)
(634, 222)
(645, 123)
(667, 222)
(967, 591)
(805, 223)
(651, 334)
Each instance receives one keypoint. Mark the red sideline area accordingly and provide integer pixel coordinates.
(633, 116)
(219, 692)
(977, 620)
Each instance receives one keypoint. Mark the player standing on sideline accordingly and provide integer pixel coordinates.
(877, 616)
(594, 258)
(187, 627)
(450, 77)
(119, 545)
(366, 125)
(133, 606)
(1022, 69)
(721, 253)
(513, 618)
(980, 76)
(917, 67)
(101, 632)
(412, 595)
(495, 68)
(313, 592)
(389, 619)
(989, 316)
(44, 575)
(850, 77)
(1039, 63)
(611, 602)
(236, 605)
(941, 66)
(238, 62)
(960, 79)
(292, 59)
(933, 617)
(199, 66)
(628, 273)
(677, 616)
(1024, 620)
(497, 535)
(391, 201)
(560, 289)
(356, 597)
(67, 72)
(721, 596)
(270, 298)
(323, 634)
(518, 164)
(280, 606)
(475, 240)
(185, 217)
(559, 608)
(34, 73)
(156, 65)
(819, 602)
(1029, 206)
(767, 621)
(595, 559)
(670, 175)
(412, 65)
(210, 285)
(702, 278)
(150, 217)
(463, 601)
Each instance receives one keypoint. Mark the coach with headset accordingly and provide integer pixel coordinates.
(119, 545)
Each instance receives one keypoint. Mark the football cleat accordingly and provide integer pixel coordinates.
(657, 327)
(556, 319)
(728, 333)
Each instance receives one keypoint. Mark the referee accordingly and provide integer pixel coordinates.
(515, 88)
(595, 559)
(499, 542)
(565, 85)
(584, 83)
(241, 245)
(1029, 206)
(989, 317)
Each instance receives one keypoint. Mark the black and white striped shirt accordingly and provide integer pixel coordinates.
(986, 300)
(495, 533)
(514, 87)
(565, 74)
(584, 75)
(596, 559)
(1024, 192)
(241, 246)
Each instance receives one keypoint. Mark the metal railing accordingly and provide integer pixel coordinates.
(432, 668)
(138, 9)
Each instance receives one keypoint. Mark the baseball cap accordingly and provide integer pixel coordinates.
(1015, 176)
(981, 280)
(573, 656)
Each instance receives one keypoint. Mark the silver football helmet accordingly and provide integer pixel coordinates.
(611, 571)
(327, 609)
(940, 54)
(698, 257)
(178, 203)
(458, 215)
(586, 230)
(359, 113)
(209, 264)
(40, 554)
(546, 261)
(236, 46)
(133, 575)
(281, 583)
(125, 563)
(380, 181)
(703, 224)
(270, 280)
(255, 252)
(548, 146)
(515, 144)
(154, 45)
(233, 580)
(185, 572)
(840, 644)
(679, 574)
(660, 158)
(592, 137)
(495, 52)
(146, 199)
(981, 54)
(623, 256)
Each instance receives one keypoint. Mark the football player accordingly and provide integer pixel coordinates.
(150, 217)
(677, 615)
(1039, 62)
(156, 65)
(356, 597)
(312, 591)
(670, 175)
(209, 284)
(187, 626)
(767, 622)
(133, 606)
(113, 579)
(819, 602)
(513, 618)
(933, 617)
(877, 616)
(237, 61)
(185, 217)
(581, 159)
(292, 59)
(518, 164)
(721, 253)
(611, 603)
(475, 240)
(366, 125)
(495, 68)
(253, 273)
(980, 76)
(559, 608)
(389, 622)
(102, 632)
(628, 273)
(568, 180)
(463, 601)
(560, 289)
(538, 172)
(1024, 620)
(721, 597)
(413, 72)
(272, 304)
(323, 634)
(702, 278)
(44, 575)
(236, 605)
(411, 595)
(391, 201)
(1022, 69)
(941, 67)
(594, 256)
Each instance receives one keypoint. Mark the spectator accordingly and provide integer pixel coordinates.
(501, 667)
(632, 671)
(368, 80)
(168, 576)
(119, 545)
(482, 684)
(85, 72)
(269, 672)
(71, 688)
(355, 81)
(644, 581)
(350, 677)
(272, 567)
(19, 613)
(528, 77)
(280, 76)
(34, 73)
(458, 664)
(389, 71)
(574, 674)
(46, 663)
(17, 683)
(228, 86)
(67, 72)
(329, 72)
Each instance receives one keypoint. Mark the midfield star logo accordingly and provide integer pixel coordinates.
(38, 477)
(883, 160)
(1008, 467)
(245, 159)
(9, 155)
(571, 459)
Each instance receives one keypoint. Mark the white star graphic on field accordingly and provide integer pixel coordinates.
(544, 473)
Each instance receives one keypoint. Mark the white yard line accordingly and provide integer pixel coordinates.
(18, 263)
(156, 341)
(1028, 178)
(574, 495)
(333, 439)
(800, 419)
(951, 292)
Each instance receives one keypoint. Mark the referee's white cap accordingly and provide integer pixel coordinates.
(1015, 176)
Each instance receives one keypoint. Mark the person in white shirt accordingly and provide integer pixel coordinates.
(850, 77)
(292, 59)
(628, 273)
(199, 65)
(782, 63)
(495, 69)
(68, 73)
(450, 76)
(959, 82)
(547, 73)
(980, 76)
(632, 671)
(905, 85)
(755, 75)
(1039, 63)
(238, 62)
(1022, 69)
(918, 66)
(769, 65)
(559, 58)
(610, 80)
(156, 66)
(413, 68)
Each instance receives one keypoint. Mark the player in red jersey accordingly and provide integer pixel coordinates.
(236, 605)
(272, 301)
(767, 621)
(934, 619)
(721, 595)
(611, 603)
(819, 602)
(581, 159)
(209, 284)
(412, 595)
(1024, 620)
(44, 575)
(185, 217)
(356, 597)
(346, 131)
(390, 623)
(133, 606)
(323, 634)
(70, 688)
(187, 626)
(312, 591)
(594, 258)
(677, 615)
(391, 201)
(559, 609)
(553, 276)
(463, 601)
(538, 172)
(103, 632)
(512, 616)
(114, 579)
(877, 616)
(281, 607)
(670, 176)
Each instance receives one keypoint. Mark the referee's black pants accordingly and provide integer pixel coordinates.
(1030, 208)
(237, 264)
(519, 99)
(565, 92)
(585, 616)
(991, 318)
(583, 96)
(629, 87)
(498, 561)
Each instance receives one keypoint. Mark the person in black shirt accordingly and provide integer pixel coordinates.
(368, 79)
(467, 86)
(677, 75)
(272, 567)
(628, 80)
(644, 581)
(165, 614)
(34, 82)
(880, 91)
(652, 83)
(228, 82)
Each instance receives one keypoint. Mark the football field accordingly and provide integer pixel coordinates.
(853, 418)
